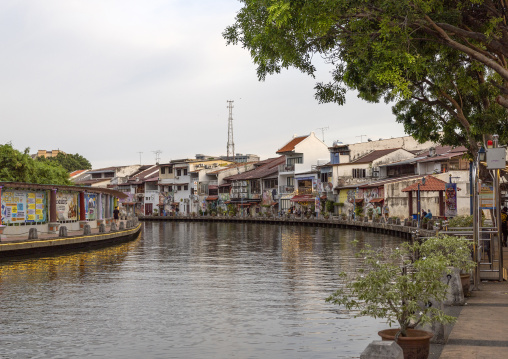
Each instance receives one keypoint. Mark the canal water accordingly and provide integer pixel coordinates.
(189, 290)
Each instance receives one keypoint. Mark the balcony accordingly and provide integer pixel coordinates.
(286, 189)
(286, 168)
(305, 190)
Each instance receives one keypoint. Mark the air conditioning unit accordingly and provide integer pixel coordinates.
(176, 177)
(244, 183)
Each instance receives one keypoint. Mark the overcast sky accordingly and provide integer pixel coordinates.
(111, 78)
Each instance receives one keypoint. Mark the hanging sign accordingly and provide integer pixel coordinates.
(450, 199)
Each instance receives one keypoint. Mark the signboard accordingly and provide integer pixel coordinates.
(486, 196)
(23, 206)
(450, 199)
(67, 206)
(496, 158)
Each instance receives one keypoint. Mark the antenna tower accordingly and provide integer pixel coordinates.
(157, 156)
(231, 143)
(323, 131)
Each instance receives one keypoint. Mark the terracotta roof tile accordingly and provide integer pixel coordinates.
(431, 184)
(374, 155)
(290, 146)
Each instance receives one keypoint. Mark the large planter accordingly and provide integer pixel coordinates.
(465, 279)
(415, 346)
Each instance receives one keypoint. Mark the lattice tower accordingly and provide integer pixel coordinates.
(231, 143)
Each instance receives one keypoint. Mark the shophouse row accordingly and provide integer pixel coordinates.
(305, 175)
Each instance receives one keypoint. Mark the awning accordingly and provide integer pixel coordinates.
(213, 186)
(358, 200)
(303, 198)
(212, 198)
(376, 200)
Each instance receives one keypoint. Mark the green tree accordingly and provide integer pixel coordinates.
(441, 62)
(16, 166)
(69, 161)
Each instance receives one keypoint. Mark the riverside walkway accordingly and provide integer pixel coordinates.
(481, 330)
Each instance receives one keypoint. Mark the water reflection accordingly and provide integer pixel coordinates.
(188, 290)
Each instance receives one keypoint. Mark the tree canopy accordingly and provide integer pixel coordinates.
(441, 62)
(16, 166)
(69, 161)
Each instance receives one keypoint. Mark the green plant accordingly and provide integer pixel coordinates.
(456, 251)
(370, 212)
(358, 210)
(329, 206)
(461, 221)
(396, 283)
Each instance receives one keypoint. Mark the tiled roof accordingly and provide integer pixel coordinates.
(431, 184)
(77, 172)
(290, 146)
(374, 155)
(269, 168)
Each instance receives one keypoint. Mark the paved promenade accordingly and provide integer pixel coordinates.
(481, 330)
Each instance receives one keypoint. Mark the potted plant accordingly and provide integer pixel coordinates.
(395, 284)
(456, 251)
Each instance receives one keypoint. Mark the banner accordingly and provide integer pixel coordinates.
(486, 196)
(67, 206)
(91, 206)
(23, 206)
(450, 199)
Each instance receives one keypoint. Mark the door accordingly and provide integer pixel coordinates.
(148, 209)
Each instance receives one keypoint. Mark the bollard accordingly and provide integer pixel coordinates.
(102, 228)
(113, 227)
(62, 231)
(379, 349)
(32, 234)
(86, 229)
(122, 226)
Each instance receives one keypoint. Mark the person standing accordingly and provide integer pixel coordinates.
(116, 215)
(386, 210)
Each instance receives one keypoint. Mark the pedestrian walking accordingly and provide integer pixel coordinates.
(386, 210)
(116, 215)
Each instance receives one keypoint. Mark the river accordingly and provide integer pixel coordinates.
(189, 290)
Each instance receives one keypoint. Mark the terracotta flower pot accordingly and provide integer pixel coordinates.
(415, 346)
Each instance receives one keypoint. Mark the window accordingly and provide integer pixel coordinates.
(170, 188)
(293, 160)
(270, 183)
(255, 187)
(290, 181)
(179, 188)
(178, 172)
(96, 175)
(186, 187)
(359, 173)
(324, 177)
(185, 171)
(109, 175)
(163, 170)
(170, 170)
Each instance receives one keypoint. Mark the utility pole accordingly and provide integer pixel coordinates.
(231, 143)
(361, 137)
(157, 156)
(323, 131)
(140, 153)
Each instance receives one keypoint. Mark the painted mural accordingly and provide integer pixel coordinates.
(67, 206)
(450, 199)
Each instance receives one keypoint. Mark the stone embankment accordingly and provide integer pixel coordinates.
(34, 244)
(405, 229)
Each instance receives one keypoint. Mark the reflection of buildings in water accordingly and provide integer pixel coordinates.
(71, 265)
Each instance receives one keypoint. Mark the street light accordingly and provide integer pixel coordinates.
(482, 154)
